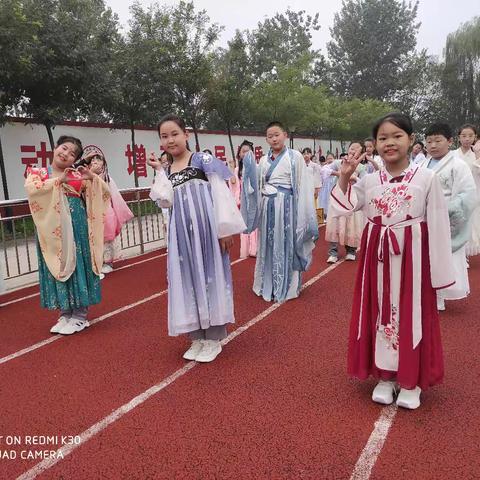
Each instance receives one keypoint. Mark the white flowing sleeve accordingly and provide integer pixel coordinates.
(440, 248)
(344, 204)
(161, 191)
(228, 218)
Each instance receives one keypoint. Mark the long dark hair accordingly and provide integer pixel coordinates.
(240, 160)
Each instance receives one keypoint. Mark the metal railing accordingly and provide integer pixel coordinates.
(18, 244)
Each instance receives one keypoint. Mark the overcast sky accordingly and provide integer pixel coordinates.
(438, 17)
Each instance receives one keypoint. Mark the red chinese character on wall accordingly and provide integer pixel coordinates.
(220, 152)
(141, 160)
(258, 153)
(43, 157)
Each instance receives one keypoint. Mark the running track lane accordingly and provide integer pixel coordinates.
(389, 467)
(89, 361)
(276, 404)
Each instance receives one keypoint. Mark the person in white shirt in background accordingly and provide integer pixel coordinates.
(469, 152)
(313, 170)
(418, 153)
(373, 161)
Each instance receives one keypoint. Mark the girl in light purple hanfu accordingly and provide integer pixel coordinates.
(203, 219)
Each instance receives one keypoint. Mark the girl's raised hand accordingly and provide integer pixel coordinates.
(153, 162)
(85, 173)
(350, 163)
(476, 149)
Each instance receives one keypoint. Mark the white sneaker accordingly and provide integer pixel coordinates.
(440, 304)
(62, 322)
(209, 352)
(383, 392)
(194, 350)
(409, 398)
(332, 259)
(74, 326)
(351, 257)
(107, 268)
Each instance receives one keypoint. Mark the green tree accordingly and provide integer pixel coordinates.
(73, 40)
(17, 42)
(372, 41)
(280, 40)
(228, 87)
(461, 76)
(190, 41)
(138, 89)
(422, 95)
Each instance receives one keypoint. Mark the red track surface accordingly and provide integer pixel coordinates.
(275, 404)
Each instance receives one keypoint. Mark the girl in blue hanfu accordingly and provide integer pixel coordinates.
(203, 219)
(405, 257)
(68, 206)
(283, 208)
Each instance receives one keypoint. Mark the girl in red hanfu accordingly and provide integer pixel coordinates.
(405, 257)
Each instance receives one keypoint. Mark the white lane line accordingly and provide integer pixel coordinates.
(21, 299)
(368, 457)
(47, 341)
(96, 320)
(140, 262)
(139, 399)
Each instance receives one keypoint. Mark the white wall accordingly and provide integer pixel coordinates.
(15, 136)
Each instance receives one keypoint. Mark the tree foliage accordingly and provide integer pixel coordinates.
(372, 41)
(461, 76)
(280, 40)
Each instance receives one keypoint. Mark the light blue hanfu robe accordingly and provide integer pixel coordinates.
(279, 201)
(458, 186)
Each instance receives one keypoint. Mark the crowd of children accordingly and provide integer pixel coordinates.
(407, 211)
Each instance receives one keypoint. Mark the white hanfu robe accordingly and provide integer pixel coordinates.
(459, 189)
(287, 223)
(405, 256)
(473, 245)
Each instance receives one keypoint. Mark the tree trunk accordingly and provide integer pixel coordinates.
(231, 142)
(3, 173)
(8, 210)
(195, 133)
(134, 153)
(48, 125)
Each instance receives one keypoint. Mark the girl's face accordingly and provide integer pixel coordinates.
(65, 155)
(97, 164)
(393, 143)
(369, 148)
(307, 156)
(467, 138)
(243, 151)
(416, 149)
(173, 139)
(355, 149)
(330, 158)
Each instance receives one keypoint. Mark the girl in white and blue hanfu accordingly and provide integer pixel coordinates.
(283, 208)
(203, 218)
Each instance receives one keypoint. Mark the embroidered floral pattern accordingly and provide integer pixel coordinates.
(35, 207)
(57, 232)
(189, 173)
(206, 159)
(391, 330)
(394, 200)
